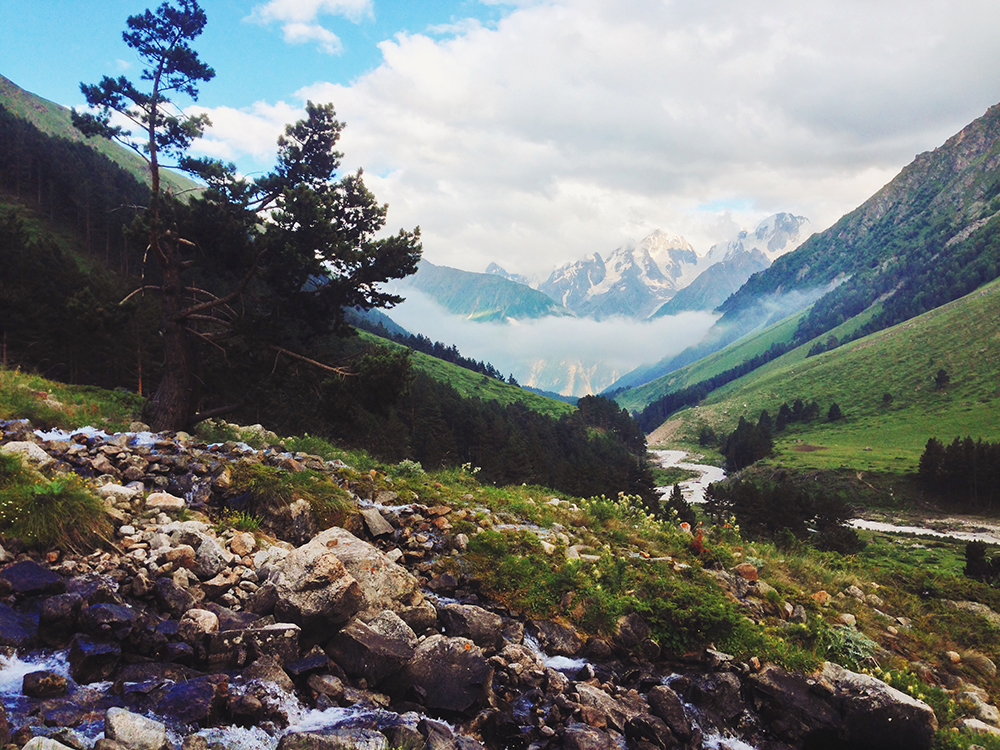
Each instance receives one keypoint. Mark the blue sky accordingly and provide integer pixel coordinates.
(534, 132)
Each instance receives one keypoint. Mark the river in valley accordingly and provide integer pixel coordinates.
(960, 528)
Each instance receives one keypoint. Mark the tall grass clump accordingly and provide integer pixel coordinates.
(45, 513)
(268, 489)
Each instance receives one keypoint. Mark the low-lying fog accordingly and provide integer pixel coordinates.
(572, 356)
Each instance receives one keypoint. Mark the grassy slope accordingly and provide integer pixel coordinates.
(960, 337)
(473, 385)
(54, 119)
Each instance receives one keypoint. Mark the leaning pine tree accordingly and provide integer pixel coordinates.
(297, 245)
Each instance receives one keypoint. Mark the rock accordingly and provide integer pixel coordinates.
(134, 731)
(199, 701)
(605, 710)
(313, 588)
(582, 737)
(391, 625)
(17, 630)
(836, 707)
(44, 743)
(630, 631)
(279, 639)
(746, 571)
(28, 578)
(246, 710)
(650, 729)
(977, 726)
(242, 544)
(475, 623)
(44, 684)
(362, 652)
(821, 598)
(666, 704)
(269, 669)
(854, 592)
(421, 617)
(445, 584)
(980, 663)
(90, 661)
(376, 523)
(196, 623)
(555, 639)
(173, 598)
(210, 558)
(112, 490)
(31, 453)
(106, 622)
(716, 692)
(337, 739)
(164, 502)
(847, 619)
(445, 673)
(326, 684)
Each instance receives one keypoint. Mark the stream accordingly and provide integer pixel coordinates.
(959, 528)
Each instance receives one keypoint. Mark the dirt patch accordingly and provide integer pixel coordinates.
(665, 432)
(806, 448)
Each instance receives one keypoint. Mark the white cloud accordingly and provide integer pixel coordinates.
(299, 19)
(249, 132)
(571, 125)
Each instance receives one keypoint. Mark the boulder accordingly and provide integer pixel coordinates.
(17, 630)
(210, 558)
(450, 674)
(631, 630)
(173, 598)
(106, 622)
(837, 707)
(28, 578)
(134, 731)
(475, 623)
(164, 502)
(666, 704)
(196, 623)
(582, 737)
(384, 584)
(362, 652)
(44, 684)
(44, 743)
(30, 453)
(375, 522)
(716, 693)
(646, 728)
(555, 639)
(313, 588)
(57, 619)
(199, 701)
(606, 710)
(337, 739)
(90, 661)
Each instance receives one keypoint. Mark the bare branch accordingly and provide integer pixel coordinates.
(228, 298)
(141, 289)
(335, 370)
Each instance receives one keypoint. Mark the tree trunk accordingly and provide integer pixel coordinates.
(172, 405)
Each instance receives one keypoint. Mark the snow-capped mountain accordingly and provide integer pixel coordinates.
(634, 281)
(727, 265)
(495, 269)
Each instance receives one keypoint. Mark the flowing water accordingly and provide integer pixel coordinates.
(692, 489)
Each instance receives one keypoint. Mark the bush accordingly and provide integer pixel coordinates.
(262, 490)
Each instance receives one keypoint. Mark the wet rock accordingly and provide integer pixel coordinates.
(450, 674)
(44, 743)
(90, 661)
(44, 684)
(326, 684)
(836, 707)
(362, 652)
(245, 710)
(475, 623)
(57, 619)
(134, 731)
(199, 701)
(631, 630)
(338, 739)
(279, 639)
(28, 578)
(269, 669)
(651, 730)
(17, 630)
(555, 639)
(665, 703)
(106, 621)
(603, 710)
(717, 693)
(582, 737)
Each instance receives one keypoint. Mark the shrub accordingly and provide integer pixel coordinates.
(266, 489)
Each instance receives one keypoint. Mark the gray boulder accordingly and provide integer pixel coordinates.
(475, 623)
(450, 674)
(134, 731)
(362, 652)
(314, 588)
(835, 706)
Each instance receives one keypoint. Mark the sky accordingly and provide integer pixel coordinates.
(534, 132)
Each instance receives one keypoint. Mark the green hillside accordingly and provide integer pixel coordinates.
(481, 296)
(54, 119)
(471, 384)
(961, 337)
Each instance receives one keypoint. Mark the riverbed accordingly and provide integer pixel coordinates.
(692, 489)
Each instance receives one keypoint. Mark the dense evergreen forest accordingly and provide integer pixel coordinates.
(60, 315)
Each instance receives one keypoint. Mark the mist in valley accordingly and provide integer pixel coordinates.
(572, 356)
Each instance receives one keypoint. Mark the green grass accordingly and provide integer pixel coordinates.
(471, 384)
(22, 395)
(960, 337)
(54, 119)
